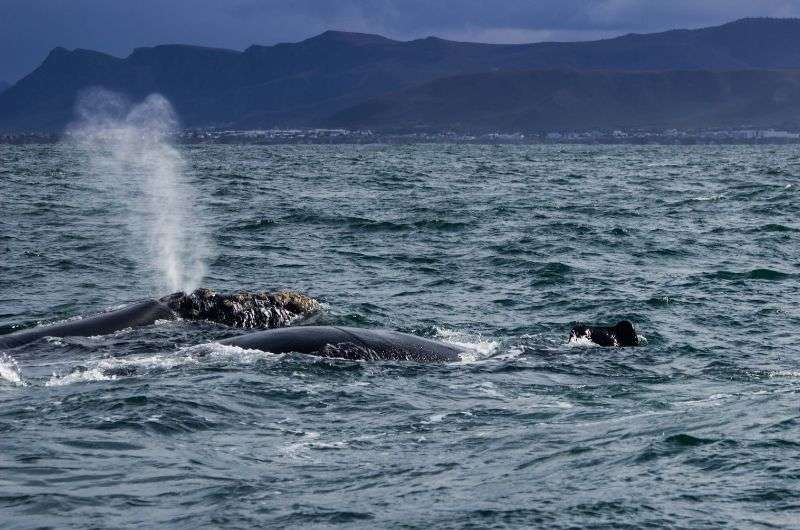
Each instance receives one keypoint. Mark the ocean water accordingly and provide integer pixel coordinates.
(499, 248)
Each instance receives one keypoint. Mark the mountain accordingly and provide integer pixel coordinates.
(3, 86)
(546, 100)
(305, 83)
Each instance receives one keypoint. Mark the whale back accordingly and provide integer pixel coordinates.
(626, 334)
(140, 314)
(348, 343)
(620, 335)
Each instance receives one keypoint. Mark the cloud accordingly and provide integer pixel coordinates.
(30, 28)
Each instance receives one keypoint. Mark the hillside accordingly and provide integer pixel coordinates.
(305, 83)
(546, 100)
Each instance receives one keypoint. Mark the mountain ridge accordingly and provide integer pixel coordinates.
(353, 36)
(308, 82)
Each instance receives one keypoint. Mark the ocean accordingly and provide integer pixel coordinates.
(500, 249)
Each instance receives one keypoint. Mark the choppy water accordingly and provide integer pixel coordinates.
(501, 248)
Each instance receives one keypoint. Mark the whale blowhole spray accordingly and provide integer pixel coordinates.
(135, 165)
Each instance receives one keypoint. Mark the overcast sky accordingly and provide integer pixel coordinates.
(31, 28)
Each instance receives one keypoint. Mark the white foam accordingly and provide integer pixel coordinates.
(474, 346)
(107, 369)
(489, 388)
(236, 354)
(9, 370)
(95, 374)
(434, 418)
(714, 397)
(100, 371)
(785, 373)
(509, 354)
(704, 198)
(294, 449)
(718, 399)
(584, 341)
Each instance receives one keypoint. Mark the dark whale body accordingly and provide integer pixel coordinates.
(348, 343)
(141, 314)
(243, 310)
(620, 335)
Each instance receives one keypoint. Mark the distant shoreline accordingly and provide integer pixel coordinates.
(346, 137)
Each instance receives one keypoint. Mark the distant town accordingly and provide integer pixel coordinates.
(345, 136)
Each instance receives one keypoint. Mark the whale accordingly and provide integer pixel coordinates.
(238, 310)
(349, 343)
(140, 314)
(620, 335)
(242, 310)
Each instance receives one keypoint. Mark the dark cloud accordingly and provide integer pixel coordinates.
(30, 28)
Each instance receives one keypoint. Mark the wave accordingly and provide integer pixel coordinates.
(785, 373)
(113, 368)
(581, 342)
(708, 198)
(253, 225)
(775, 227)
(755, 274)
(307, 216)
(715, 197)
(10, 371)
(476, 347)
(552, 273)
(585, 342)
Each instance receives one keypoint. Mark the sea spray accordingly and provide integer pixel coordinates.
(144, 177)
(10, 371)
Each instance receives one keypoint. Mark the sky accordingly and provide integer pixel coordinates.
(29, 29)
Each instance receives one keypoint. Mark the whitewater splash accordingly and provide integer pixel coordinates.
(585, 342)
(474, 346)
(113, 368)
(144, 176)
(9, 370)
